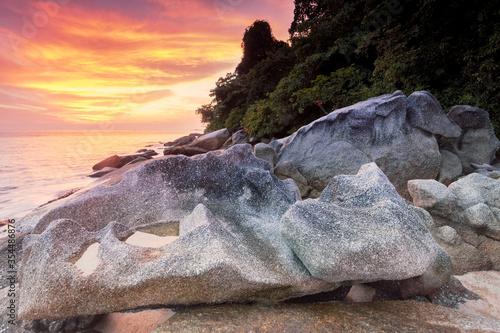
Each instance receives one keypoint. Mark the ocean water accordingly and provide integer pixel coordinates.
(37, 166)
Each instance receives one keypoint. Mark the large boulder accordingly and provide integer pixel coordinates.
(394, 131)
(477, 143)
(363, 231)
(116, 161)
(266, 153)
(451, 168)
(184, 150)
(213, 140)
(168, 189)
(229, 249)
(182, 141)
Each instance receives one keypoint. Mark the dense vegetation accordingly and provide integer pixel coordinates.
(341, 52)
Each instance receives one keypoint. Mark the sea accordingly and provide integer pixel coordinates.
(38, 166)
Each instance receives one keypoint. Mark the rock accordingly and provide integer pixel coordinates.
(227, 144)
(477, 144)
(287, 170)
(240, 137)
(375, 130)
(465, 257)
(425, 112)
(144, 321)
(116, 161)
(484, 166)
(451, 168)
(483, 221)
(138, 160)
(266, 153)
(452, 294)
(184, 150)
(388, 316)
(68, 325)
(491, 248)
(254, 140)
(433, 196)
(363, 229)
(102, 172)
(230, 247)
(213, 140)
(142, 150)
(182, 141)
(476, 188)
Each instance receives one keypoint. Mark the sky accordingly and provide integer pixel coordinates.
(121, 64)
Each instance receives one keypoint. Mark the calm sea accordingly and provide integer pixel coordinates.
(36, 166)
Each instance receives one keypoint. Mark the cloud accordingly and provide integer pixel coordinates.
(102, 59)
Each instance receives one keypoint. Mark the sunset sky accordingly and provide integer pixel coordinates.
(121, 64)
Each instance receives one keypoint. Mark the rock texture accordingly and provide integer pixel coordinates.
(213, 140)
(266, 153)
(116, 161)
(451, 168)
(230, 247)
(467, 218)
(396, 132)
(364, 231)
(399, 316)
(477, 142)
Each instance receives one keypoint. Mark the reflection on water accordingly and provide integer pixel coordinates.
(36, 166)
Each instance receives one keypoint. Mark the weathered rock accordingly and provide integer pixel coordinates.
(240, 137)
(138, 160)
(451, 168)
(425, 112)
(66, 325)
(287, 170)
(388, 316)
(364, 231)
(102, 172)
(182, 141)
(483, 221)
(477, 143)
(116, 161)
(266, 153)
(147, 152)
(213, 140)
(432, 196)
(464, 212)
(230, 247)
(184, 150)
(465, 257)
(452, 294)
(375, 130)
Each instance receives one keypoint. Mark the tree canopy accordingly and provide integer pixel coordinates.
(342, 52)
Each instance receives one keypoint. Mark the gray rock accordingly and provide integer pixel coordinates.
(466, 258)
(182, 141)
(476, 188)
(433, 196)
(477, 144)
(102, 172)
(265, 152)
(375, 130)
(363, 230)
(240, 137)
(286, 170)
(451, 168)
(425, 112)
(170, 188)
(116, 161)
(213, 140)
(214, 260)
(184, 150)
(483, 221)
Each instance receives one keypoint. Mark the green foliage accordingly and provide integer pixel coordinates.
(345, 51)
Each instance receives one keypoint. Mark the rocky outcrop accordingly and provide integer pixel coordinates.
(184, 150)
(398, 316)
(477, 142)
(363, 231)
(467, 218)
(451, 168)
(396, 132)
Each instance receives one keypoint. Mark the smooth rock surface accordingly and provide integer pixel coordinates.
(213, 140)
(363, 230)
(375, 130)
(388, 316)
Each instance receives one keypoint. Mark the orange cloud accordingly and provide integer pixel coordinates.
(130, 62)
